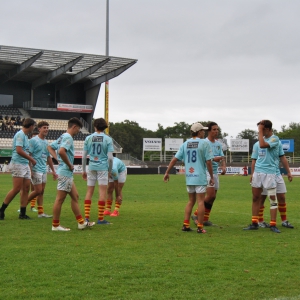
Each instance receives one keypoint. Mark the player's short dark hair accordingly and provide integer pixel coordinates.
(28, 122)
(42, 123)
(74, 121)
(210, 125)
(267, 124)
(35, 131)
(100, 124)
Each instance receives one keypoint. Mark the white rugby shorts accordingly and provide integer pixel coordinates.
(100, 176)
(20, 170)
(262, 180)
(216, 179)
(64, 183)
(38, 178)
(121, 177)
(198, 189)
(280, 186)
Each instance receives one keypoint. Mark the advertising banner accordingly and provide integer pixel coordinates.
(224, 144)
(5, 152)
(287, 145)
(239, 145)
(152, 144)
(173, 144)
(229, 170)
(232, 170)
(295, 171)
(75, 107)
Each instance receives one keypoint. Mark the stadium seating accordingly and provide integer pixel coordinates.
(57, 128)
(9, 111)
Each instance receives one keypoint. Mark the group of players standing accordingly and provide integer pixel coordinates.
(202, 158)
(29, 165)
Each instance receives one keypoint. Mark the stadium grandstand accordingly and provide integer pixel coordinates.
(53, 86)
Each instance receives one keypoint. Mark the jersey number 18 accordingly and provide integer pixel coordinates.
(192, 156)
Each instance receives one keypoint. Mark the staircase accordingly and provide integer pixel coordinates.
(24, 113)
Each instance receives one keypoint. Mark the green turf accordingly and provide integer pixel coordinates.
(144, 254)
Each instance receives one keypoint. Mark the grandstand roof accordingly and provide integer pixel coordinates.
(38, 67)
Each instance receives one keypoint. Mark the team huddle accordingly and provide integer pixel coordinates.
(29, 166)
(202, 158)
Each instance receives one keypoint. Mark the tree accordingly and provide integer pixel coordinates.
(248, 134)
(130, 136)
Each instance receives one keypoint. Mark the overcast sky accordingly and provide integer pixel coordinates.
(234, 62)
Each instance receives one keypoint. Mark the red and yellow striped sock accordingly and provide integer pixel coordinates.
(255, 220)
(87, 208)
(206, 214)
(55, 223)
(108, 205)
(101, 207)
(273, 223)
(40, 209)
(32, 202)
(186, 223)
(261, 214)
(282, 211)
(200, 226)
(196, 212)
(117, 206)
(80, 219)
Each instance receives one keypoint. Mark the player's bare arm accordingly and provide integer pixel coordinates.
(171, 165)
(22, 153)
(285, 164)
(262, 142)
(84, 174)
(63, 154)
(50, 163)
(223, 166)
(210, 171)
(252, 169)
(52, 153)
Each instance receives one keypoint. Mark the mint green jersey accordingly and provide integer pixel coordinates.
(217, 151)
(195, 153)
(97, 146)
(118, 167)
(64, 141)
(267, 159)
(20, 140)
(38, 150)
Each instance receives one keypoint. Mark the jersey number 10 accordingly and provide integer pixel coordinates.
(96, 149)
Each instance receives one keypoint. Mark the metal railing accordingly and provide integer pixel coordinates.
(131, 161)
(26, 105)
(161, 158)
(229, 159)
(85, 124)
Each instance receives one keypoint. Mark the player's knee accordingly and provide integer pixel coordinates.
(273, 198)
(75, 197)
(38, 191)
(110, 191)
(210, 199)
(25, 190)
(281, 198)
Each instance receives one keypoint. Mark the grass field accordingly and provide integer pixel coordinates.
(144, 254)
